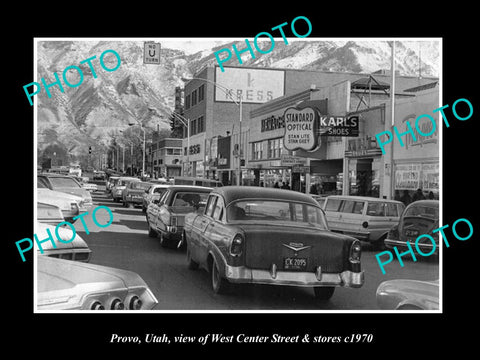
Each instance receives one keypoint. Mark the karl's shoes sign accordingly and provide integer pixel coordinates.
(303, 128)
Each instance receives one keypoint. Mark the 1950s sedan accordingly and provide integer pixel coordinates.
(270, 236)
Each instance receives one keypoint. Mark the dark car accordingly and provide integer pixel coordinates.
(270, 236)
(419, 217)
(165, 216)
(133, 193)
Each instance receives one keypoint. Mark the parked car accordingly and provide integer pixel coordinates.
(419, 217)
(49, 214)
(154, 192)
(133, 193)
(402, 294)
(270, 236)
(365, 218)
(185, 180)
(70, 205)
(65, 184)
(72, 285)
(76, 249)
(120, 185)
(165, 217)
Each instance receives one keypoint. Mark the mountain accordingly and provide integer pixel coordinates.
(97, 110)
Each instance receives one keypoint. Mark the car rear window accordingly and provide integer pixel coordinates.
(422, 211)
(189, 199)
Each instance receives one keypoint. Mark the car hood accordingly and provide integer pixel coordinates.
(64, 233)
(60, 199)
(83, 193)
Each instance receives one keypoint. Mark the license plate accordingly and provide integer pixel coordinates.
(290, 263)
(411, 232)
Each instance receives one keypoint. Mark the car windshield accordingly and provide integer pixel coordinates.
(63, 182)
(422, 211)
(276, 210)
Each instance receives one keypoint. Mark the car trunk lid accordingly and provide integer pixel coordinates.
(295, 248)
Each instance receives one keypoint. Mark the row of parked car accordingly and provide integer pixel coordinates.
(65, 278)
(273, 236)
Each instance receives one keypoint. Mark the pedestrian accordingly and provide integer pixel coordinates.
(406, 199)
(418, 195)
(284, 185)
(313, 189)
(431, 196)
(276, 185)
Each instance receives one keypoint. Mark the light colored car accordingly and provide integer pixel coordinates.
(70, 205)
(249, 234)
(65, 184)
(73, 285)
(120, 185)
(76, 249)
(112, 180)
(154, 192)
(165, 218)
(49, 214)
(365, 218)
(403, 294)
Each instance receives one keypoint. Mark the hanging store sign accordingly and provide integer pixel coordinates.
(339, 125)
(300, 129)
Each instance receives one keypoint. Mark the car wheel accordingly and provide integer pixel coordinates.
(164, 242)
(219, 284)
(151, 232)
(323, 293)
(191, 264)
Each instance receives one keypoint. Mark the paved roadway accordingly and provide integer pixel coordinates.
(125, 244)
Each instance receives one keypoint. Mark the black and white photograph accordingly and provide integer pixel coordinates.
(281, 182)
(276, 182)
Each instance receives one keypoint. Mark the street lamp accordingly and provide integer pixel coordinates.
(228, 92)
(185, 122)
(143, 161)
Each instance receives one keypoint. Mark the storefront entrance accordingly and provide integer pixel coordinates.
(363, 177)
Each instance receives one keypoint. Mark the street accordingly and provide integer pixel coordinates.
(125, 244)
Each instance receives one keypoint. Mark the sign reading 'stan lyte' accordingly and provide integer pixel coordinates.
(300, 129)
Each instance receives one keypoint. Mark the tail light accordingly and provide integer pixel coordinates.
(117, 304)
(393, 233)
(355, 254)
(236, 247)
(97, 305)
(173, 220)
(74, 207)
(133, 302)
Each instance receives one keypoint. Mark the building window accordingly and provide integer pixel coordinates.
(187, 102)
(193, 127)
(257, 152)
(200, 124)
(194, 97)
(172, 151)
(274, 148)
(201, 93)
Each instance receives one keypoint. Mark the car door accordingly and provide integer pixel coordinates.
(332, 212)
(153, 210)
(199, 247)
(351, 215)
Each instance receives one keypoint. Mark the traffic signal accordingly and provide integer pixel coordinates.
(89, 149)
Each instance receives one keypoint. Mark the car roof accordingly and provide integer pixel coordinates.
(186, 187)
(362, 198)
(233, 193)
(427, 202)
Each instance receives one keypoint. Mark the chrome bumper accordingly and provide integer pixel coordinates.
(425, 248)
(241, 274)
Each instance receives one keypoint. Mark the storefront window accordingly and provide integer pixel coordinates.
(326, 184)
(411, 177)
